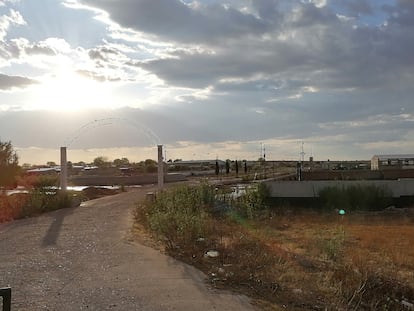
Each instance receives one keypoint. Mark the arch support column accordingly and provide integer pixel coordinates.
(63, 169)
(160, 169)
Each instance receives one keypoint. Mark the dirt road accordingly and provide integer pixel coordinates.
(81, 259)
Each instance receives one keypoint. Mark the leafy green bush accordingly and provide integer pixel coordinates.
(355, 197)
(181, 215)
(253, 201)
(41, 201)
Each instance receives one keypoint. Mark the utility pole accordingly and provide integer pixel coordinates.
(302, 153)
(300, 164)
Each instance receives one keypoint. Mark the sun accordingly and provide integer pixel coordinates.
(69, 91)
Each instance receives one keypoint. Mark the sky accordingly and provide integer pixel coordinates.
(207, 79)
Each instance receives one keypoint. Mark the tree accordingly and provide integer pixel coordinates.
(227, 166)
(121, 162)
(9, 164)
(100, 161)
(151, 166)
(237, 167)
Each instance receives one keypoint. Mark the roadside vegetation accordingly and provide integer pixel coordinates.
(41, 196)
(286, 258)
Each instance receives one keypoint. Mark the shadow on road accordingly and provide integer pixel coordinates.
(52, 233)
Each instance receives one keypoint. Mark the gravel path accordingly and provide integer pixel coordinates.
(80, 259)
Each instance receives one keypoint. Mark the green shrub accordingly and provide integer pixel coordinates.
(41, 201)
(253, 201)
(181, 215)
(355, 197)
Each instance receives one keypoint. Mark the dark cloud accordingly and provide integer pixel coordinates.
(11, 82)
(355, 8)
(361, 7)
(172, 20)
(308, 15)
(268, 10)
(305, 42)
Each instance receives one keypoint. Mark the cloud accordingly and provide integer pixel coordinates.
(6, 21)
(103, 53)
(11, 82)
(221, 129)
(272, 40)
(40, 49)
(21, 48)
(209, 72)
(180, 22)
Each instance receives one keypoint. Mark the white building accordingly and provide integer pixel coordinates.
(392, 161)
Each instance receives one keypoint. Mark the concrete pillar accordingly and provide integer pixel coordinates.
(63, 169)
(160, 168)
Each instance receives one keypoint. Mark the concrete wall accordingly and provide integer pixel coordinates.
(122, 180)
(309, 189)
(341, 175)
(358, 174)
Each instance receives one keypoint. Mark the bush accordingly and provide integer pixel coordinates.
(255, 200)
(180, 215)
(355, 197)
(40, 201)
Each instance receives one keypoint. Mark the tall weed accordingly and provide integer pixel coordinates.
(332, 247)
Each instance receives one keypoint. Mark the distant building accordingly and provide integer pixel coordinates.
(392, 161)
(44, 170)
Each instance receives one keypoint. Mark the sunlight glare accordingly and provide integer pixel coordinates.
(70, 91)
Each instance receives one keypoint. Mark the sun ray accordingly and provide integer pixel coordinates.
(66, 90)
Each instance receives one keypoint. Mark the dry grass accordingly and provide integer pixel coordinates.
(309, 261)
(362, 261)
(306, 260)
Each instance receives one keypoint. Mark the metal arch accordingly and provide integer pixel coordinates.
(97, 123)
